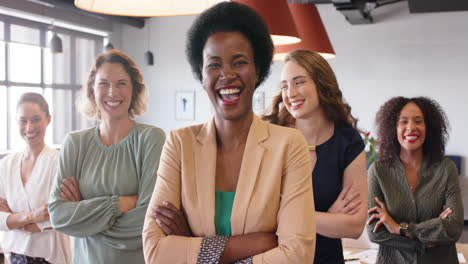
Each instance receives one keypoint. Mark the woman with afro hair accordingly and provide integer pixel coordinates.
(235, 189)
(416, 211)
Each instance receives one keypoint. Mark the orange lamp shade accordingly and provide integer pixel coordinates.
(311, 30)
(278, 19)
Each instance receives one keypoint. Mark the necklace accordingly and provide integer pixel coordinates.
(312, 147)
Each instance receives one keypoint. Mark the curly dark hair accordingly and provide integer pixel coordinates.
(436, 129)
(230, 17)
(330, 96)
(139, 100)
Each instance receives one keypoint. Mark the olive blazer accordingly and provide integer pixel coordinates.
(274, 193)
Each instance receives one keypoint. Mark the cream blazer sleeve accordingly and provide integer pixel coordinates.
(157, 247)
(274, 193)
(295, 218)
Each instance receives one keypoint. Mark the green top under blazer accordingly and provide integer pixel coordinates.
(437, 187)
(223, 211)
(102, 233)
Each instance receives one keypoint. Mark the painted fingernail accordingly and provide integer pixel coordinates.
(165, 203)
(158, 221)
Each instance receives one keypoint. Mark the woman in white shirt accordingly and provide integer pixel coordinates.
(25, 182)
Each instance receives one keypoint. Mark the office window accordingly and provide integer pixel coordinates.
(61, 70)
(27, 65)
(85, 50)
(24, 34)
(61, 100)
(3, 118)
(2, 52)
(24, 63)
(1, 30)
(2, 60)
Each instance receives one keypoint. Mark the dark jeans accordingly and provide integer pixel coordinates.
(22, 259)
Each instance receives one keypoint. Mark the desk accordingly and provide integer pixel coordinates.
(461, 248)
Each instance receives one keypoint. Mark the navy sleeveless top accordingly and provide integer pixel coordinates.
(333, 157)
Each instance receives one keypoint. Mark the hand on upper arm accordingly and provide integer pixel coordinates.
(40, 214)
(4, 206)
(127, 203)
(380, 212)
(70, 190)
(348, 202)
(445, 213)
(171, 220)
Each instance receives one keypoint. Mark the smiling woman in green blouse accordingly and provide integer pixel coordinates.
(416, 211)
(106, 173)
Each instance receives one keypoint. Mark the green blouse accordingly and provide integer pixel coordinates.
(223, 210)
(103, 234)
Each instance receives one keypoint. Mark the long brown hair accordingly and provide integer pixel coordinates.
(330, 97)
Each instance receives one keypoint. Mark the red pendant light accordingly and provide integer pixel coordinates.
(311, 30)
(278, 19)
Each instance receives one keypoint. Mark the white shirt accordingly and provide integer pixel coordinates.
(48, 244)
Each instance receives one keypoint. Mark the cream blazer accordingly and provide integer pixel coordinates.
(274, 193)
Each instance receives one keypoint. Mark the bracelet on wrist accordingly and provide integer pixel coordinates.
(403, 229)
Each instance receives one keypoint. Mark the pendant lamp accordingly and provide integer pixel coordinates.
(278, 19)
(56, 44)
(149, 60)
(146, 8)
(311, 30)
(108, 47)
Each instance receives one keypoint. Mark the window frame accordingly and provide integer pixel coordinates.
(72, 85)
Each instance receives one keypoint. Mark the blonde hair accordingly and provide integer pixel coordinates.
(138, 104)
(330, 97)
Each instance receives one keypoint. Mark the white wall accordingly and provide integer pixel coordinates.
(399, 54)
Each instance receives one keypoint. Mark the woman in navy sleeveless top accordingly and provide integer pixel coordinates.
(311, 101)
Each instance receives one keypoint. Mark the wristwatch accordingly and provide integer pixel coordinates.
(403, 228)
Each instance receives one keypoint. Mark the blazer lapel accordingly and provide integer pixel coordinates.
(205, 169)
(251, 161)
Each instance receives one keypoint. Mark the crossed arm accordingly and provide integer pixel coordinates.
(170, 240)
(346, 218)
(446, 228)
(69, 191)
(173, 222)
(26, 221)
(116, 220)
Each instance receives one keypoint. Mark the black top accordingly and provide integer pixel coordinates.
(333, 157)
